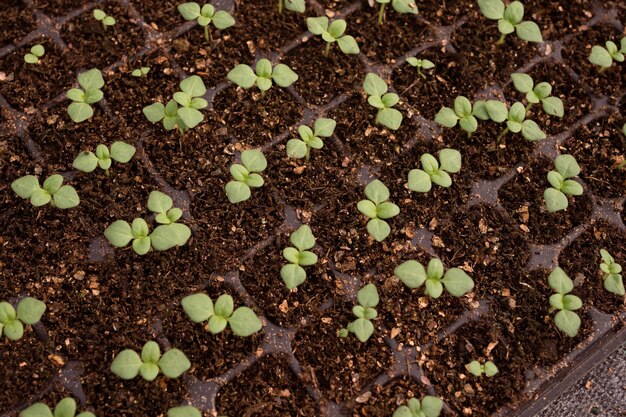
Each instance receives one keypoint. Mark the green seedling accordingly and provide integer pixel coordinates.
(429, 406)
(64, 408)
(12, 321)
(140, 72)
(510, 19)
(293, 273)
(88, 161)
(378, 97)
(310, 139)
(101, 16)
(378, 209)
(333, 33)
(188, 115)
(245, 175)
(200, 308)
(184, 411)
(462, 114)
(245, 77)
(205, 16)
(612, 278)
(516, 122)
(53, 191)
(36, 53)
(293, 5)
(540, 93)
(163, 206)
(400, 6)
(91, 82)
(561, 186)
(362, 327)
(566, 319)
(604, 57)
(413, 274)
(477, 369)
(421, 180)
(128, 364)
(420, 64)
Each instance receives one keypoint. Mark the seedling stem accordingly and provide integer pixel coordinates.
(280, 6)
(381, 14)
(504, 132)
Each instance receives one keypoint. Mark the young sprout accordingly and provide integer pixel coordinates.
(128, 364)
(420, 64)
(200, 308)
(163, 206)
(36, 52)
(245, 77)
(362, 327)
(462, 114)
(310, 139)
(413, 274)
(64, 408)
(566, 320)
(561, 186)
(400, 6)
(184, 411)
(293, 5)
(101, 16)
(538, 94)
(188, 115)
(378, 209)
(612, 278)
(333, 33)
(293, 273)
(510, 19)
(477, 369)
(53, 191)
(120, 152)
(140, 72)
(421, 180)
(205, 16)
(12, 321)
(91, 82)
(378, 97)
(604, 57)
(429, 407)
(246, 176)
(516, 122)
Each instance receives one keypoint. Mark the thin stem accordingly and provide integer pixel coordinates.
(419, 71)
(280, 6)
(327, 49)
(206, 33)
(308, 152)
(504, 132)
(603, 69)
(469, 135)
(501, 40)
(381, 14)
(528, 106)
(107, 172)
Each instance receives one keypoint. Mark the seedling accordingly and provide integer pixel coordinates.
(378, 209)
(604, 57)
(245, 77)
(246, 176)
(510, 19)
(310, 139)
(566, 320)
(128, 364)
(413, 274)
(378, 97)
(400, 6)
(561, 186)
(205, 16)
(516, 122)
(477, 369)
(64, 408)
(120, 152)
(362, 327)
(200, 308)
(462, 114)
(420, 64)
(101, 16)
(421, 180)
(188, 115)
(612, 278)
(333, 33)
(184, 411)
(429, 407)
(36, 52)
(293, 273)
(140, 72)
(53, 191)
(91, 82)
(163, 206)
(538, 94)
(29, 311)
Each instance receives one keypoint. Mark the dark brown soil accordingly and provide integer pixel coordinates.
(16, 21)
(58, 7)
(385, 399)
(161, 15)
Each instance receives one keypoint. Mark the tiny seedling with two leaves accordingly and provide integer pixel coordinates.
(64, 408)
(29, 311)
(378, 209)
(510, 19)
(429, 406)
(612, 273)
(462, 114)
(205, 16)
(293, 273)
(35, 54)
(561, 186)
(200, 308)
(604, 56)
(246, 175)
(455, 281)
(364, 311)
(420, 64)
(477, 369)
(540, 93)
(128, 363)
(263, 76)
(310, 139)
(379, 98)
(53, 191)
(400, 6)
(566, 319)
(88, 161)
(140, 72)
(333, 33)
(101, 16)
(421, 180)
(91, 83)
(516, 122)
(292, 5)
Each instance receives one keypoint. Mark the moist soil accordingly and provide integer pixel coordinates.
(491, 222)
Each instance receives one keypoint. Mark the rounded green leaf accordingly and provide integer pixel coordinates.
(390, 99)
(419, 181)
(517, 113)
(317, 25)
(514, 12)
(324, 127)
(208, 10)
(119, 233)
(441, 178)
(76, 94)
(377, 192)
(568, 322)
(307, 258)
(244, 322)
(174, 363)
(154, 112)
(303, 238)
(435, 269)
(571, 302)
(529, 31)
(191, 117)
(7, 312)
(368, 208)
(434, 288)
(531, 131)
(14, 330)
(296, 148)
(474, 368)
(606, 257)
(167, 236)
(217, 324)
(38, 51)
(571, 187)
(224, 306)
(337, 28)
(189, 11)
(93, 96)
(126, 364)
(543, 90)
(184, 411)
(403, 411)
(567, 166)
(556, 301)
(292, 275)
(600, 56)
(292, 255)
(91, 80)
(149, 371)
(199, 307)
(243, 76)
(522, 82)
(387, 210)
(31, 59)
(159, 202)
(490, 369)
(193, 86)
(379, 229)
(284, 76)
(40, 198)
(295, 5)
(65, 408)
(462, 107)
(492, 9)
(223, 20)
(414, 62)
(86, 414)
(555, 179)
(555, 200)
(99, 14)
(469, 124)
(450, 160)
(30, 310)
(108, 21)
(446, 117)
(122, 152)
(85, 161)
(362, 329)
(431, 406)
(348, 45)
(79, 112)
(457, 282)
(429, 163)
(496, 110)
(376, 102)
(141, 245)
(553, 106)
(560, 282)
(66, 197)
(405, 6)
(374, 85)
(368, 296)
(255, 180)
(480, 110)
(237, 191)
(37, 410)
(411, 273)
(25, 186)
(505, 27)
(254, 160)
(53, 183)
(614, 283)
